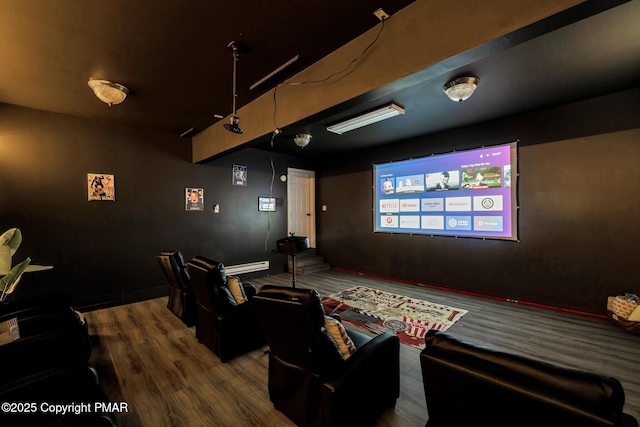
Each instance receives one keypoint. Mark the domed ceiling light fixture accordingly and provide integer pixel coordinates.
(461, 88)
(108, 92)
(234, 125)
(302, 139)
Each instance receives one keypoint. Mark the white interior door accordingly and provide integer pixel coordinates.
(301, 203)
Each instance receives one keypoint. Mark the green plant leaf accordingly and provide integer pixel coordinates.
(12, 287)
(32, 267)
(11, 238)
(13, 276)
(5, 260)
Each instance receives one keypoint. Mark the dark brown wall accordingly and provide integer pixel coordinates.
(104, 252)
(578, 244)
(577, 217)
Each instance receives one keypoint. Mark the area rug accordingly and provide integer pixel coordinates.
(379, 311)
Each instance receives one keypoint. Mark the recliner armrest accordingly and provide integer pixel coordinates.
(249, 290)
(370, 378)
(243, 309)
(333, 315)
(381, 350)
(497, 388)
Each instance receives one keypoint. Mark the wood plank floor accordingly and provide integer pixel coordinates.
(146, 357)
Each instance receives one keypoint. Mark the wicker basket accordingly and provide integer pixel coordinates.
(619, 316)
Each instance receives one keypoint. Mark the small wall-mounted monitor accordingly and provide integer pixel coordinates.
(267, 204)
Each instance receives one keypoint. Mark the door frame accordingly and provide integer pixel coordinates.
(312, 203)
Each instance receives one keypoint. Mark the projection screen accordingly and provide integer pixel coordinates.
(469, 193)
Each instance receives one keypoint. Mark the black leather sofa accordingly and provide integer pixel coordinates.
(469, 385)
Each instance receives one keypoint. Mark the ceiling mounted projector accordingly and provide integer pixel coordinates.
(234, 125)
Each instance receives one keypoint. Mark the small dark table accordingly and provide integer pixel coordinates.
(293, 245)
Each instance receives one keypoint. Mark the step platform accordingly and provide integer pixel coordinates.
(308, 262)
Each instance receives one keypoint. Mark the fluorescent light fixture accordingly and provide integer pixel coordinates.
(365, 119)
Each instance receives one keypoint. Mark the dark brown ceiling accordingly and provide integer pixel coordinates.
(587, 51)
(174, 58)
(172, 55)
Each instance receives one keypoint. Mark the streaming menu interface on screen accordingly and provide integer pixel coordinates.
(466, 193)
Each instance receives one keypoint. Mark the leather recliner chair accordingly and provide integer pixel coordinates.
(181, 302)
(466, 385)
(43, 324)
(47, 363)
(227, 328)
(44, 301)
(41, 348)
(63, 385)
(309, 379)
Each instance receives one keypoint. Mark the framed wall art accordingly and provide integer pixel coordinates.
(194, 199)
(101, 187)
(239, 175)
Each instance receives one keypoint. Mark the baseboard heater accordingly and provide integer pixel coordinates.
(246, 268)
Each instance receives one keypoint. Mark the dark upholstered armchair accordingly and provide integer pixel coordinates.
(63, 385)
(310, 380)
(48, 363)
(469, 385)
(182, 302)
(226, 327)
